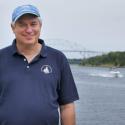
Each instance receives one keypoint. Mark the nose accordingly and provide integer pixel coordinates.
(29, 29)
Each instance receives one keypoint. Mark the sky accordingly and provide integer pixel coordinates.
(97, 25)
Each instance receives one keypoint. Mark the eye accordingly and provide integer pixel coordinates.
(22, 24)
(34, 23)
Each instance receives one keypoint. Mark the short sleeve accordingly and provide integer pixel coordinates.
(67, 91)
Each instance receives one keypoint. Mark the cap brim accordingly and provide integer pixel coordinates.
(24, 14)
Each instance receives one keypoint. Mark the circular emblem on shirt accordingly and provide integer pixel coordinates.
(46, 69)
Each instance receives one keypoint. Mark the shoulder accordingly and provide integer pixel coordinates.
(5, 50)
(58, 57)
(55, 53)
(4, 56)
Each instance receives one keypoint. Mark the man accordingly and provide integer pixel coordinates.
(35, 80)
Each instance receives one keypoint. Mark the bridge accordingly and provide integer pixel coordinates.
(83, 54)
(72, 49)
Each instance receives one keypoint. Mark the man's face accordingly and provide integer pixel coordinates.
(27, 29)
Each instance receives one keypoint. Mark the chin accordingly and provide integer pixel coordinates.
(29, 41)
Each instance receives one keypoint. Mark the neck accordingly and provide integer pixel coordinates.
(29, 50)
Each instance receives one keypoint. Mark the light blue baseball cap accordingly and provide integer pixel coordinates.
(24, 9)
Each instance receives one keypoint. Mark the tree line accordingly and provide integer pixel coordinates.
(116, 59)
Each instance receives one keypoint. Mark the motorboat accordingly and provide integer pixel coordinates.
(115, 73)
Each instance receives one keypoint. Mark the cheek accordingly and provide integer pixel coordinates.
(37, 32)
(17, 32)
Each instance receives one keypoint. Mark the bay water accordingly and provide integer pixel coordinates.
(102, 95)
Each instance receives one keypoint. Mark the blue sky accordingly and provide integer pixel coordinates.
(90, 24)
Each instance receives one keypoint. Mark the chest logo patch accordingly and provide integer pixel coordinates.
(46, 69)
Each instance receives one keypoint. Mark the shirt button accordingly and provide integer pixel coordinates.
(24, 59)
(27, 67)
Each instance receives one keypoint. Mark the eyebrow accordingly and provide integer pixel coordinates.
(21, 22)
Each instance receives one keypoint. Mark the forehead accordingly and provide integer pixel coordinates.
(27, 17)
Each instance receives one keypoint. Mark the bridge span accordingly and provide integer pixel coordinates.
(83, 54)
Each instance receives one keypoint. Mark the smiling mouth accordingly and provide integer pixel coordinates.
(28, 37)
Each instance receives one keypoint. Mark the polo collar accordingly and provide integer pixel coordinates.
(43, 52)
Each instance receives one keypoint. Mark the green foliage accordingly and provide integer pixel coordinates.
(111, 59)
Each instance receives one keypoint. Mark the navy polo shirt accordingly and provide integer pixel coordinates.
(30, 93)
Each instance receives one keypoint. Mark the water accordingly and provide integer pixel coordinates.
(102, 96)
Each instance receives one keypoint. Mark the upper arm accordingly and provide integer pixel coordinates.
(67, 113)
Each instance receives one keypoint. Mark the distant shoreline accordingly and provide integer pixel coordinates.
(110, 60)
(110, 67)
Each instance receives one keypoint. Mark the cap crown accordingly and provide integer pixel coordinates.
(24, 9)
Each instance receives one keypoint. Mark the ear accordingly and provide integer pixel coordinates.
(40, 24)
(13, 27)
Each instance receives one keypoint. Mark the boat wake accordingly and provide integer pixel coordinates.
(110, 74)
